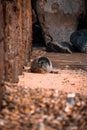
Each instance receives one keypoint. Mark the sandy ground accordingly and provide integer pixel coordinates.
(65, 80)
(69, 80)
(25, 107)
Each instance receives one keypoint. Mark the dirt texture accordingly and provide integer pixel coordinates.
(46, 101)
(65, 80)
(24, 108)
(71, 76)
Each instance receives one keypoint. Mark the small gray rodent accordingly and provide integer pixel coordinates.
(42, 64)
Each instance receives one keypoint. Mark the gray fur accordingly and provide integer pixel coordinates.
(41, 63)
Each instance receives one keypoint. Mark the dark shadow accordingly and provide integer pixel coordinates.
(38, 37)
(82, 21)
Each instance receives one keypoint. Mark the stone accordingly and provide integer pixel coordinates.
(71, 95)
(63, 47)
(70, 101)
(41, 109)
(58, 18)
(79, 40)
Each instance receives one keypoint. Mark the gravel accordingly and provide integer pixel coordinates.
(24, 108)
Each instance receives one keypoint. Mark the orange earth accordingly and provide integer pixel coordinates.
(69, 80)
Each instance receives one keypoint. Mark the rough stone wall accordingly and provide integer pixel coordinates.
(17, 37)
(58, 18)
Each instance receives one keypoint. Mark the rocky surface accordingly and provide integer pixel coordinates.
(63, 47)
(24, 108)
(59, 18)
(79, 40)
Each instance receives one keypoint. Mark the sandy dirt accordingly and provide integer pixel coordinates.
(69, 80)
(35, 102)
(65, 80)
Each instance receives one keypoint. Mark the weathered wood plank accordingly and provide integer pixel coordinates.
(17, 34)
(27, 30)
(2, 54)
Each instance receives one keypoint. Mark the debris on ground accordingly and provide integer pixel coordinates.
(24, 108)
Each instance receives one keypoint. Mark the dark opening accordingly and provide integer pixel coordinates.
(38, 38)
(82, 21)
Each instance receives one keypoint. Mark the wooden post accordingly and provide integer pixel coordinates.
(17, 35)
(2, 53)
(27, 30)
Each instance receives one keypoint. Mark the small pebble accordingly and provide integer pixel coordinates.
(71, 95)
(42, 109)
